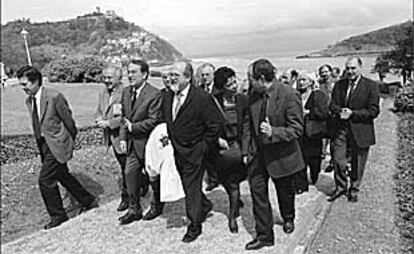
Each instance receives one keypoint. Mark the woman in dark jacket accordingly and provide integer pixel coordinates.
(315, 109)
(234, 108)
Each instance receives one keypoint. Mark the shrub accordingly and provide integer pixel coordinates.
(71, 70)
(404, 98)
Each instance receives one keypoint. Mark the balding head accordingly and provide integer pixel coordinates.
(111, 76)
(353, 67)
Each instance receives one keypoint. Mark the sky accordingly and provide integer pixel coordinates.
(217, 27)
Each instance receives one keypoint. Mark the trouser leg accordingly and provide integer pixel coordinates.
(122, 158)
(339, 149)
(233, 191)
(133, 180)
(286, 197)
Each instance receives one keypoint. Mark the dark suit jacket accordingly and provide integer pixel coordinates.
(282, 154)
(243, 119)
(364, 103)
(315, 121)
(105, 110)
(56, 124)
(144, 117)
(196, 127)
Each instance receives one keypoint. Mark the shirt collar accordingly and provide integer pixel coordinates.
(39, 93)
(184, 92)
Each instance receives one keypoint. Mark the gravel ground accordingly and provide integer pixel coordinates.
(367, 226)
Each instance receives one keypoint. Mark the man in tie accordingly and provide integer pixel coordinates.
(55, 132)
(274, 152)
(207, 83)
(141, 103)
(354, 106)
(193, 127)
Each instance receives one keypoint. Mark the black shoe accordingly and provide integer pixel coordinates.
(258, 244)
(211, 186)
(188, 238)
(130, 217)
(288, 227)
(234, 228)
(152, 213)
(90, 206)
(55, 222)
(336, 194)
(123, 205)
(353, 197)
(206, 212)
(144, 190)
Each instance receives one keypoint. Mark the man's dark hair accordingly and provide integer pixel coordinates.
(263, 67)
(221, 75)
(189, 71)
(323, 66)
(144, 67)
(31, 73)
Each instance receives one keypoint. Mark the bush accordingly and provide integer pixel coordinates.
(404, 98)
(71, 70)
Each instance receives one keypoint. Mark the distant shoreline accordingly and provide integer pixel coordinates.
(339, 54)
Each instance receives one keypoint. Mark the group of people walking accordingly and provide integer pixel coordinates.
(273, 129)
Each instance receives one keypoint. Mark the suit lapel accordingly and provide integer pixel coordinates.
(255, 106)
(358, 89)
(115, 97)
(105, 99)
(43, 103)
(168, 106)
(140, 99)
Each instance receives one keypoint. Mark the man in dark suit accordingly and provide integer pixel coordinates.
(354, 106)
(141, 104)
(207, 84)
(55, 132)
(274, 152)
(193, 127)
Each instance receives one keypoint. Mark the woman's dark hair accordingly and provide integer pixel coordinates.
(221, 75)
(31, 73)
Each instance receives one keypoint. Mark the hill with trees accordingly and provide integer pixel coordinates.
(375, 42)
(103, 35)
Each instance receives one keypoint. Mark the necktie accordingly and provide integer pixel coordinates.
(35, 119)
(262, 115)
(133, 97)
(351, 88)
(177, 105)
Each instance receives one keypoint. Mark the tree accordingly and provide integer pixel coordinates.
(400, 59)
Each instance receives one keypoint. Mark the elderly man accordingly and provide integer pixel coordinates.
(55, 132)
(193, 127)
(108, 117)
(354, 105)
(141, 104)
(274, 152)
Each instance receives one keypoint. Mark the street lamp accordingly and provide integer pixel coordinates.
(24, 33)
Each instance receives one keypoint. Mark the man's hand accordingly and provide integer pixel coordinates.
(123, 146)
(345, 114)
(128, 124)
(102, 123)
(306, 112)
(266, 128)
(223, 143)
(244, 159)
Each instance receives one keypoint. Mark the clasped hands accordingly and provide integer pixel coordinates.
(101, 123)
(345, 113)
(266, 128)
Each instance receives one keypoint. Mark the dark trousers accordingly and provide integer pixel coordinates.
(53, 172)
(359, 156)
(133, 177)
(262, 210)
(195, 200)
(122, 158)
(209, 163)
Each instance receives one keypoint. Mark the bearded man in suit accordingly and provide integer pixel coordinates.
(193, 127)
(141, 104)
(274, 151)
(354, 106)
(55, 132)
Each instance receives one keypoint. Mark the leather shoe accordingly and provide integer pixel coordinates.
(336, 194)
(55, 222)
(257, 244)
(152, 213)
(211, 186)
(90, 206)
(352, 197)
(130, 217)
(188, 238)
(234, 228)
(288, 227)
(122, 206)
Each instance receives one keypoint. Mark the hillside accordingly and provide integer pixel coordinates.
(96, 34)
(374, 42)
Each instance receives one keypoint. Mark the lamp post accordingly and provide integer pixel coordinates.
(24, 33)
